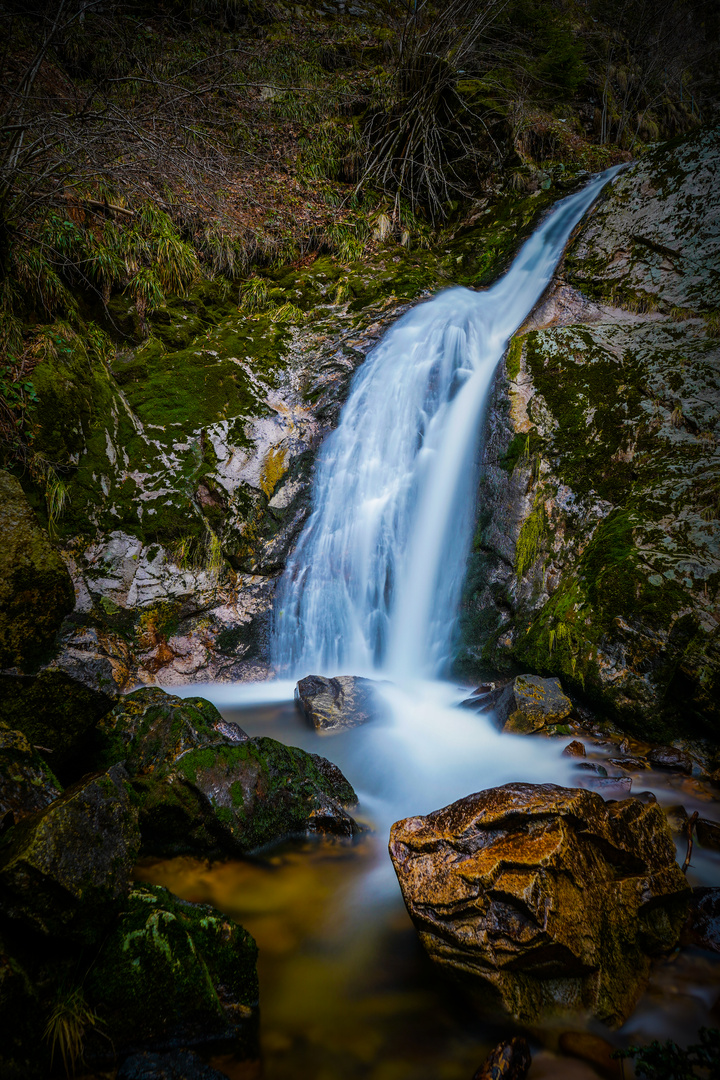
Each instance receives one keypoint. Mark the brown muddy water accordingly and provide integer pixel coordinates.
(346, 992)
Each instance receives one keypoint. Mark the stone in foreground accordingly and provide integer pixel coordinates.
(545, 899)
(529, 703)
(332, 705)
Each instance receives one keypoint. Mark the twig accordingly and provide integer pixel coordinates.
(690, 825)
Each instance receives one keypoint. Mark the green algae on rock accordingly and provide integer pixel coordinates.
(63, 871)
(27, 784)
(36, 591)
(202, 786)
(544, 899)
(596, 557)
(170, 970)
(530, 703)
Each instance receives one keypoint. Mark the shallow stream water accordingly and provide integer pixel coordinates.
(345, 989)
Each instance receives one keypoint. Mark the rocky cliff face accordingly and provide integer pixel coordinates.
(597, 553)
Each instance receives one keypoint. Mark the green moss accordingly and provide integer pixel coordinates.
(530, 538)
(514, 358)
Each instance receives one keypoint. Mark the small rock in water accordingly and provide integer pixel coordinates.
(610, 787)
(332, 705)
(593, 767)
(677, 818)
(529, 703)
(631, 764)
(647, 798)
(593, 1049)
(509, 1061)
(574, 749)
(231, 731)
(708, 833)
(669, 757)
(703, 923)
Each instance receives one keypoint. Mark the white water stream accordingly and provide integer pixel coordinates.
(375, 580)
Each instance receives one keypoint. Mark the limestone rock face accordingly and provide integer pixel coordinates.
(64, 870)
(26, 783)
(36, 591)
(545, 899)
(530, 703)
(598, 554)
(332, 705)
(171, 968)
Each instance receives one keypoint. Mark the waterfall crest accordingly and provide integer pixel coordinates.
(375, 580)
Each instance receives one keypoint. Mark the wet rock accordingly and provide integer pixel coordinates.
(545, 899)
(173, 972)
(63, 871)
(647, 798)
(677, 818)
(509, 1060)
(670, 758)
(36, 591)
(610, 787)
(593, 1049)
(632, 764)
(331, 705)
(574, 749)
(179, 1065)
(703, 923)
(250, 794)
(53, 711)
(592, 767)
(708, 833)
(529, 703)
(149, 730)
(27, 784)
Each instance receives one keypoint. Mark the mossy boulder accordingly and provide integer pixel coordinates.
(202, 786)
(544, 899)
(36, 591)
(27, 784)
(172, 972)
(53, 711)
(64, 871)
(530, 703)
(150, 729)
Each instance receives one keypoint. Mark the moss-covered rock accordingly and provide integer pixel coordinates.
(171, 971)
(530, 703)
(36, 592)
(597, 556)
(148, 730)
(64, 871)
(202, 786)
(55, 712)
(27, 784)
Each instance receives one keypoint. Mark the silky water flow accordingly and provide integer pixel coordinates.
(373, 589)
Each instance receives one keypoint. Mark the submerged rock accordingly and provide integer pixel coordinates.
(530, 703)
(702, 928)
(545, 899)
(64, 870)
(27, 785)
(36, 591)
(331, 705)
(173, 972)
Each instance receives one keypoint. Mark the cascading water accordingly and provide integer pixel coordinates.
(375, 580)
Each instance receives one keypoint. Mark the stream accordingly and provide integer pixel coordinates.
(373, 589)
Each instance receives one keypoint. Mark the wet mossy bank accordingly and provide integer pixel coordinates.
(596, 555)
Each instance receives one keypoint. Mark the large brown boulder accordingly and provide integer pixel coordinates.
(546, 899)
(36, 591)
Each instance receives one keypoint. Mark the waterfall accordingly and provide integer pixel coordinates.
(375, 580)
